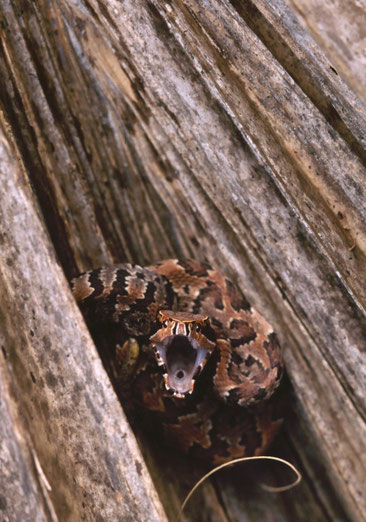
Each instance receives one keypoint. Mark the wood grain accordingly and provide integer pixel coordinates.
(225, 131)
(67, 452)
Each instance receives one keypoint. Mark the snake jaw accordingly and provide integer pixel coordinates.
(175, 392)
(182, 357)
(182, 347)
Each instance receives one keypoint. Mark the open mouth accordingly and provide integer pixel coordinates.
(183, 358)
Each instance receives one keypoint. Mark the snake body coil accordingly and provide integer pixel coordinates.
(207, 364)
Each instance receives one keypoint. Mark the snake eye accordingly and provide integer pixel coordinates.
(198, 328)
(165, 324)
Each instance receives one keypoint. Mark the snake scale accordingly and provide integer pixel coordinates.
(189, 354)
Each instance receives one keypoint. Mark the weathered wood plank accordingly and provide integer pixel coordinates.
(216, 130)
(16, 464)
(289, 38)
(75, 425)
(339, 28)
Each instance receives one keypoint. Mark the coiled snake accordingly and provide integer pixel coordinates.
(189, 352)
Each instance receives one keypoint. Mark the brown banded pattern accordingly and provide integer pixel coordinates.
(208, 364)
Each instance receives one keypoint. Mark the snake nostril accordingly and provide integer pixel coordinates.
(180, 374)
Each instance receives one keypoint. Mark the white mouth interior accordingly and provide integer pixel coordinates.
(182, 356)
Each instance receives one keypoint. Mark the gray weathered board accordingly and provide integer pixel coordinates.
(231, 131)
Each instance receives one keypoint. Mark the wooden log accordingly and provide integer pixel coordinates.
(67, 452)
(339, 29)
(16, 461)
(221, 131)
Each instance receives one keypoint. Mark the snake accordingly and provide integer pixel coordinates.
(189, 356)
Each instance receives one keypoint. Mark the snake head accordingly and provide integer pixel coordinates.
(182, 345)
